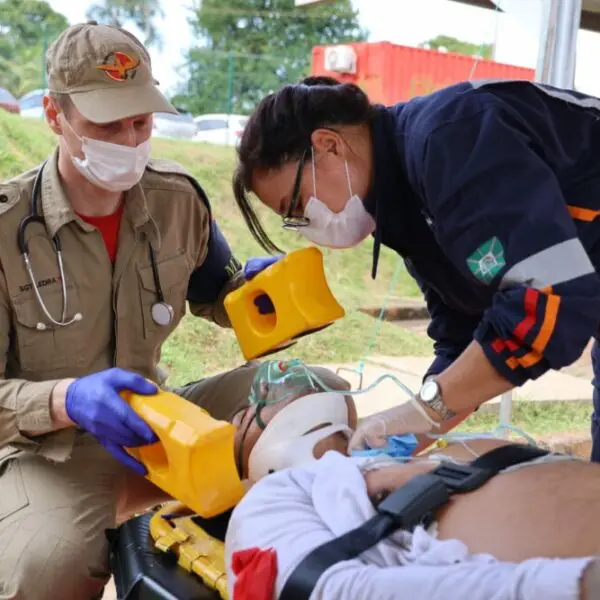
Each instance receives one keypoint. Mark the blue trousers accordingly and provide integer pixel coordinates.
(596, 414)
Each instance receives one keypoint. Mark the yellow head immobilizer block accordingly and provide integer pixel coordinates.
(298, 289)
(194, 459)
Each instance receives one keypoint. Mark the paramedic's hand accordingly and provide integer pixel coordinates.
(93, 402)
(252, 268)
(373, 431)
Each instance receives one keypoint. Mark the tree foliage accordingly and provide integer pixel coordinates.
(451, 44)
(248, 48)
(27, 28)
(142, 13)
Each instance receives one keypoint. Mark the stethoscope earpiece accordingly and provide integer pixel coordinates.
(76, 317)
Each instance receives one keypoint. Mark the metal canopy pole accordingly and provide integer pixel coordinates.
(506, 406)
(558, 42)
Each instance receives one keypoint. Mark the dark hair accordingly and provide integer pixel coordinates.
(280, 128)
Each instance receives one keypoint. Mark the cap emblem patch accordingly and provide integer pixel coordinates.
(119, 66)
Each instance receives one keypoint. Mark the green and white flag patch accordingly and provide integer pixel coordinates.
(487, 261)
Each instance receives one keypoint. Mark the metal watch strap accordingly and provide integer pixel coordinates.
(437, 404)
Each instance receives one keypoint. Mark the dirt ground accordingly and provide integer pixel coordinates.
(576, 443)
(583, 366)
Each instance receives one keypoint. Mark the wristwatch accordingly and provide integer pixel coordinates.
(430, 395)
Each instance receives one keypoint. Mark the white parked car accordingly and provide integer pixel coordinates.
(31, 104)
(179, 126)
(222, 129)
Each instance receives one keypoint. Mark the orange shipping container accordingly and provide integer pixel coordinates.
(390, 73)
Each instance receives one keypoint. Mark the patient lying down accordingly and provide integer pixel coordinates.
(525, 534)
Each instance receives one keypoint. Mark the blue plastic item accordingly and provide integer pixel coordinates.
(398, 446)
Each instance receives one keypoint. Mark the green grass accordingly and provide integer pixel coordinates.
(25, 143)
(186, 358)
(537, 418)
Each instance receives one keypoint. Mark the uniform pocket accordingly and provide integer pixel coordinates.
(174, 273)
(41, 345)
(14, 495)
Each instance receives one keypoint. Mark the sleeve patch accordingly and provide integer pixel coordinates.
(487, 261)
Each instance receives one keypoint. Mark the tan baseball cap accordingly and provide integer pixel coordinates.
(106, 72)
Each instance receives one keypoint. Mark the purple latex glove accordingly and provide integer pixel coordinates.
(252, 268)
(93, 402)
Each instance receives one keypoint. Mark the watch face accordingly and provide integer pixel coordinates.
(429, 391)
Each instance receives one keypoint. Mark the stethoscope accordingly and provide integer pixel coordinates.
(162, 312)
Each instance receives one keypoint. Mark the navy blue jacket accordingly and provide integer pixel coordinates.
(490, 191)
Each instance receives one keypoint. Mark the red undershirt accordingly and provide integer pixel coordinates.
(108, 226)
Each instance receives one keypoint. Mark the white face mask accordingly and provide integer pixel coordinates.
(337, 230)
(112, 167)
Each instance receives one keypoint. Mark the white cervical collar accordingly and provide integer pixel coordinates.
(285, 442)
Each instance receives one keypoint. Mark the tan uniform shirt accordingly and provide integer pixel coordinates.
(117, 327)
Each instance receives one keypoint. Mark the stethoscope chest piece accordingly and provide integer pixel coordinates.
(162, 313)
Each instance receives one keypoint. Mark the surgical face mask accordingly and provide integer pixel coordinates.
(112, 167)
(337, 230)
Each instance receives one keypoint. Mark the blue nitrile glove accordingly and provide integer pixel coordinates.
(93, 402)
(252, 268)
(398, 446)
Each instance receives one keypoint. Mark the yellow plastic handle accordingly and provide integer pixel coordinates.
(193, 461)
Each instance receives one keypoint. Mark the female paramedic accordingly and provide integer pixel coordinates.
(490, 192)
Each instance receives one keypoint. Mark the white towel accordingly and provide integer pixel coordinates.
(296, 510)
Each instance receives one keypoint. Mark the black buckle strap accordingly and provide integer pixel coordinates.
(408, 504)
(412, 504)
(460, 479)
(508, 456)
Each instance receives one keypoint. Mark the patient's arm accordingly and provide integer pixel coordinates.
(535, 579)
(384, 481)
(541, 510)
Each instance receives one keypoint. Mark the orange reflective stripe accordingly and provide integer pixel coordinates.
(528, 360)
(512, 363)
(582, 214)
(541, 340)
(547, 328)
